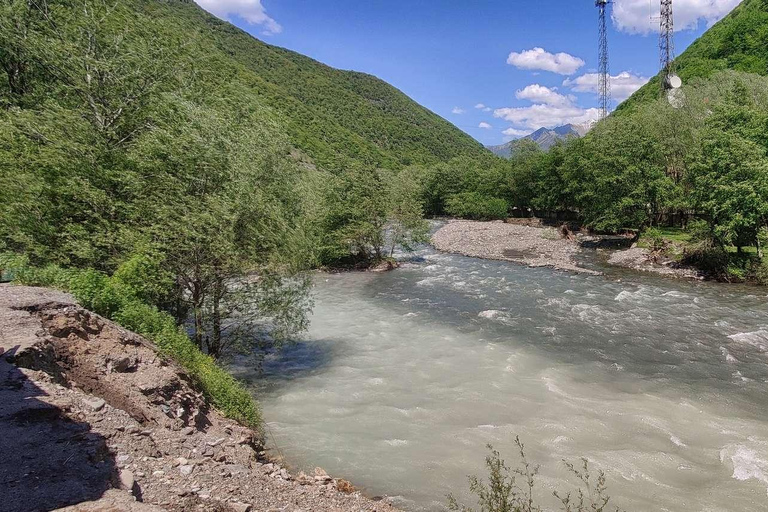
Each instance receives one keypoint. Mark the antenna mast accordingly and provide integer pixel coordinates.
(604, 76)
(667, 42)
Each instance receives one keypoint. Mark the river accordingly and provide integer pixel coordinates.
(405, 376)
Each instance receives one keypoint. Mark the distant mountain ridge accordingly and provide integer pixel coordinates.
(545, 138)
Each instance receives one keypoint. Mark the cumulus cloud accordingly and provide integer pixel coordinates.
(457, 110)
(540, 59)
(480, 106)
(249, 10)
(633, 16)
(622, 85)
(516, 133)
(550, 109)
(484, 126)
(536, 93)
(547, 116)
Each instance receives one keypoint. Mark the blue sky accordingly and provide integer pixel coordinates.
(496, 69)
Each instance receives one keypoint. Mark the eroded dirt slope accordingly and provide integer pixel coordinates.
(92, 418)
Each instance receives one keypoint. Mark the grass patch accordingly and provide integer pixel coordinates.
(673, 235)
(117, 298)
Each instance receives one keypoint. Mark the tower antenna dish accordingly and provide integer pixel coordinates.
(604, 74)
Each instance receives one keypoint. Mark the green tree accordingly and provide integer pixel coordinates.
(407, 226)
(730, 176)
(357, 214)
(222, 198)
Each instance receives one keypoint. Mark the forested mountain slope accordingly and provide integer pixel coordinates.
(329, 114)
(738, 42)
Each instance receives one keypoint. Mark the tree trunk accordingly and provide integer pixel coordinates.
(197, 305)
(214, 348)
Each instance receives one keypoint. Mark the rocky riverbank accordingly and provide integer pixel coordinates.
(534, 245)
(643, 260)
(525, 244)
(92, 418)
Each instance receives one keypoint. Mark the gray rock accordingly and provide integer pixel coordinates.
(241, 507)
(186, 469)
(96, 404)
(126, 480)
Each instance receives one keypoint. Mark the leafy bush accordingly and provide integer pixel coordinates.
(117, 299)
(761, 272)
(700, 231)
(142, 274)
(472, 205)
(708, 257)
(503, 493)
(655, 239)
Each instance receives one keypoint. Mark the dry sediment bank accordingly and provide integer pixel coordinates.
(528, 245)
(537, 246)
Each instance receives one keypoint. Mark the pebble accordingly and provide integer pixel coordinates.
(241, 507)
(187, 431)
(186, 469)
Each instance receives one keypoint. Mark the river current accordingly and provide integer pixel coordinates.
(405, 376)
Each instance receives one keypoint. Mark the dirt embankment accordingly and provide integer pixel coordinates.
(93, 419)
(528, 245)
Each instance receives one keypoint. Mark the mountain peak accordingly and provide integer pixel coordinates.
(545, 138)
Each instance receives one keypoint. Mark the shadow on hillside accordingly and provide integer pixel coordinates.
(48, 460)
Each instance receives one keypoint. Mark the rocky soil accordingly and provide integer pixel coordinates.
(642, 260)
(93, 419)
(528, 245)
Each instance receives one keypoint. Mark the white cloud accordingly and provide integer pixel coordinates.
(536, 93)
(633, 16)
(622, 85)
(547, 116)
(516, 133)
(484, 126)
(549, 109)
(457, 110)
(480, 106)
(539, 58)
(249, 10)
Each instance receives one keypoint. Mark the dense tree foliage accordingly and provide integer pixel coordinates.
(120, 142)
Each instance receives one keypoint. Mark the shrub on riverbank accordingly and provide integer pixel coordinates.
(504, 493)
(117, 297)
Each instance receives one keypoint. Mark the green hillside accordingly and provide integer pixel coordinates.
(738, 42)
(328, 113)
